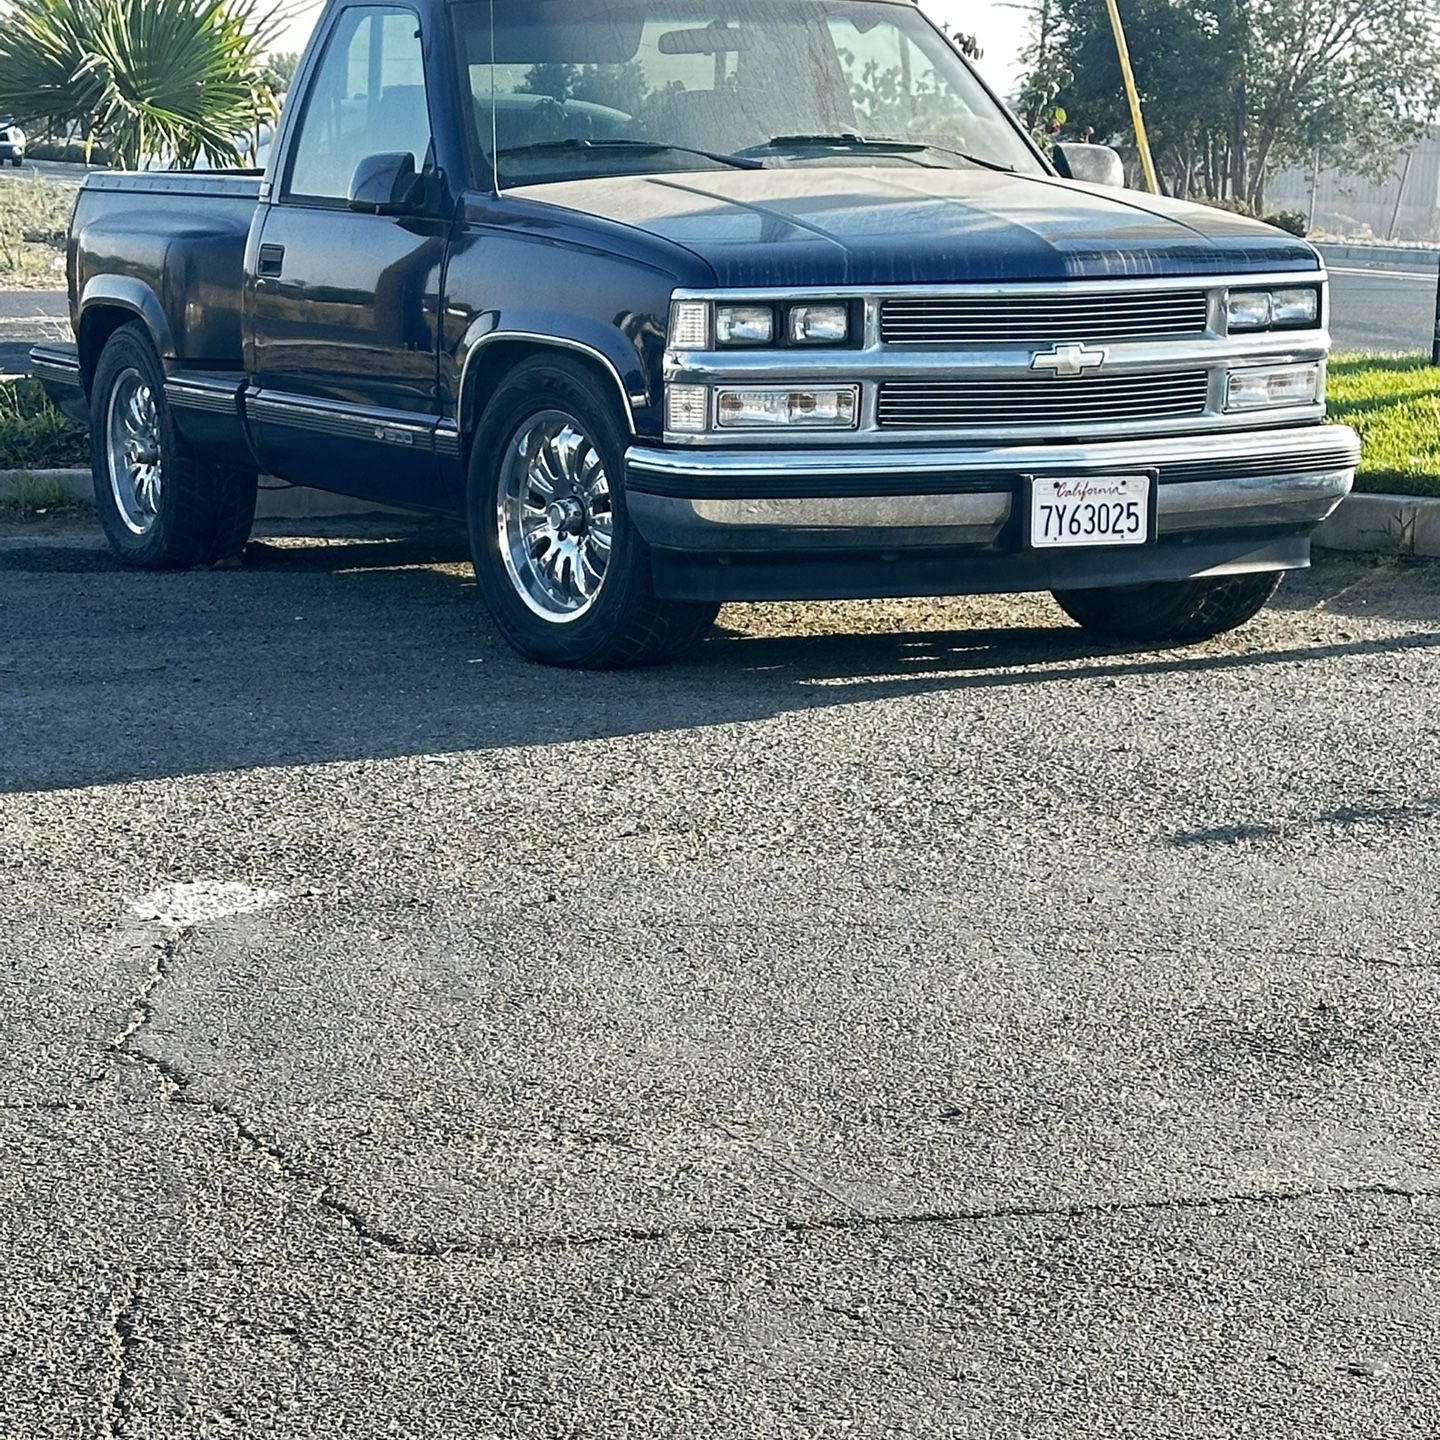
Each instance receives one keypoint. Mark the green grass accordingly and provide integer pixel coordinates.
(35, 495)
(34, 435)
(1394, 402)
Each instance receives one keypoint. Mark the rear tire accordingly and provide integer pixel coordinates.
(162, 502)
(1171, 612)
(564, 572)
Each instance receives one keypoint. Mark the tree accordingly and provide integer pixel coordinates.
(280, 70)
(619, 86)
(172, 79)
(1234, 90)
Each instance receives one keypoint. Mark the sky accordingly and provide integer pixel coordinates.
(999, 26)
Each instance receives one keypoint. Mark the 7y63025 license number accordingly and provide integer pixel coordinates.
(1097, 510)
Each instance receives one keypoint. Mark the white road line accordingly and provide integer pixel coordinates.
(1427, 276)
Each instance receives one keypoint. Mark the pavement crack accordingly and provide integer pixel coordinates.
(178, 1084)
(125, 1344)
(44, 1107)
(179, 1088)
(166, 952)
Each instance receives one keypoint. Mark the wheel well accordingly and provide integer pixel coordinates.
(495, 360)
(97, 325)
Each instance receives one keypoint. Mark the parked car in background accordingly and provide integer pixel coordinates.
(680, 302)
(12, 143)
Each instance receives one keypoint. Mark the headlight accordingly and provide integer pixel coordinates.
(1291, 308)
(1295, 307)
(1259, 388)
(819, 324)
(1248, 309)
(771, 406)
(744, 324)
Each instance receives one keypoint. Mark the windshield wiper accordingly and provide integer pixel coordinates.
(639, 147)
(846, 138)
(849, 140)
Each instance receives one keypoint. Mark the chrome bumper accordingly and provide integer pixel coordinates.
(748, 500)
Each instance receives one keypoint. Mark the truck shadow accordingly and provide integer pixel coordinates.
(1423, 809)
(371, 648)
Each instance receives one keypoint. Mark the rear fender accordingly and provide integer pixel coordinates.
(109, 301)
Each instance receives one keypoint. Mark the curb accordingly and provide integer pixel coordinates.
(276, 501)
(1416, 257)
(1386, 524)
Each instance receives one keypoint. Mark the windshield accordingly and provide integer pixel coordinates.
(578, 88)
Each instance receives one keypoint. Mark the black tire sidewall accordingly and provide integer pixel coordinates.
(555, 384)
(1171, 612)
(129, 348)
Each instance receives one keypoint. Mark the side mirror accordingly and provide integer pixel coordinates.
(1094, 164)
(387, 184)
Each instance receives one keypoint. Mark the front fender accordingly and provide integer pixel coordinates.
(607, 347)
(534, 274)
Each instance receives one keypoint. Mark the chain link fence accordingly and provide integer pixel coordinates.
(1404, 208)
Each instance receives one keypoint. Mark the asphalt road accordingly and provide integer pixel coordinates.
(1382, 307)
(27, 316)
(898, 1020)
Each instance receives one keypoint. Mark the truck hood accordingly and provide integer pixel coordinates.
(897, 225)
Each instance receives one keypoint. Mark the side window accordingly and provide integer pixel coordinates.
(367, 96)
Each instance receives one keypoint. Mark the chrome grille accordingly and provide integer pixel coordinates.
(1042, 320)
(1001, 404)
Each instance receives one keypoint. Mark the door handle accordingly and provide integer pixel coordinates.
(272, 260)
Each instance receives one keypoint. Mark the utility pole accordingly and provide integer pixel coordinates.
(1435, 343)
(1133, 96)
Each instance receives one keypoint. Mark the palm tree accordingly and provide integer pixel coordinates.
(170, 79)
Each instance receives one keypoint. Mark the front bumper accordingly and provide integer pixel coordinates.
(747, 524)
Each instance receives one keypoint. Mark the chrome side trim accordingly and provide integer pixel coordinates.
(190, 392)
(447, 440)
(349, 422)
(474, 348)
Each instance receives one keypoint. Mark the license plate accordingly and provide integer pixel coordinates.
(1096, 510)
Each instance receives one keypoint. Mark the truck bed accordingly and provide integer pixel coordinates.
(170, 247)
(226, 184)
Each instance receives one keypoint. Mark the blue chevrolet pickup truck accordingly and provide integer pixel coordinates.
(680, 302)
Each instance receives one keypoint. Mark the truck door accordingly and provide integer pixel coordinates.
(344, 306)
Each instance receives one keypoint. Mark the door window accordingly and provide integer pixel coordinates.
(368, 96)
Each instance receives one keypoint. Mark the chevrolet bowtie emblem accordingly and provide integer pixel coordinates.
(1070, 359)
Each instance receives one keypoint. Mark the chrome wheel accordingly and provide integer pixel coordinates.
(555, 516)
(132, 451)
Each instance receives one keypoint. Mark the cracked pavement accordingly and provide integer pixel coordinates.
(907, 1019)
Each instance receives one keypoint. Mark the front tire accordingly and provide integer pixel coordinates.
(1171, 612)
(162, 503)
(564, 572)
